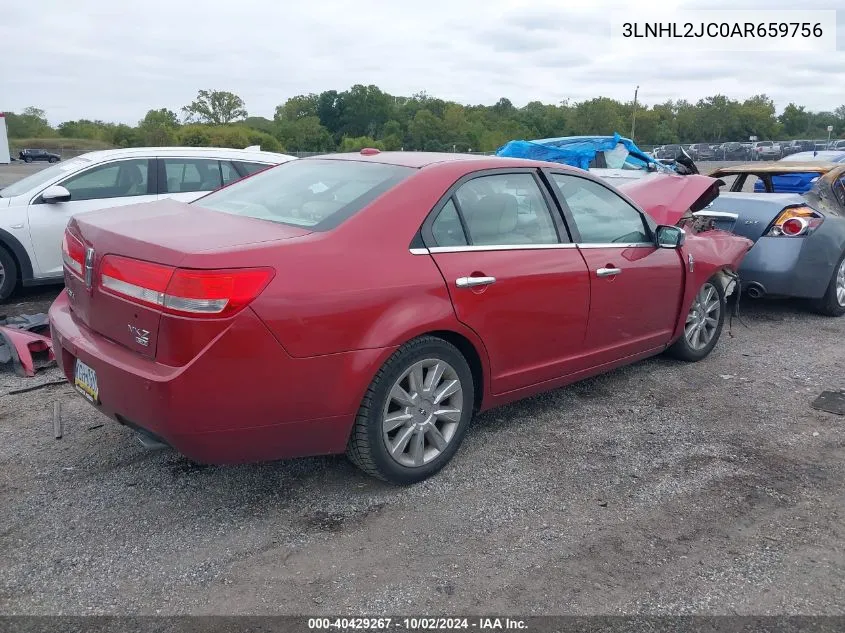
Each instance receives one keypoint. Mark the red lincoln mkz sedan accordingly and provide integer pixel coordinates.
(371, 303)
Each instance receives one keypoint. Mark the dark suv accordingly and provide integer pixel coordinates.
(29, 155)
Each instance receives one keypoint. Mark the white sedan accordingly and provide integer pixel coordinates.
(35, 210)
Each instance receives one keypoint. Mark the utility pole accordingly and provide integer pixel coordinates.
(634, 116)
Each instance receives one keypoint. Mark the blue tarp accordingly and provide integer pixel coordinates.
(578, 151)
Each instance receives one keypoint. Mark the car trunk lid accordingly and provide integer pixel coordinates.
(754, 212)
(161, 234)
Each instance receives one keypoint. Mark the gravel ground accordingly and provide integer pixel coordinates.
(660, 488)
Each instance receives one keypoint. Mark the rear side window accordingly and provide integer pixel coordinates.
(251, 168)
(506, 210)
(318, 193)
(447, 228)
(190, 175)
(230, 174)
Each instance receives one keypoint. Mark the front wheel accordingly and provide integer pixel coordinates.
(703, 325)
(8, 274)
(27, 159)
(53, 159)
(833, 302)
(415, 413)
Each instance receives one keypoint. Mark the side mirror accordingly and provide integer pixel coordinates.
(670, 236)
(54, 194)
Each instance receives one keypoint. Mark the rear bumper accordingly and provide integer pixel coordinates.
(242, 399)
(792, 267)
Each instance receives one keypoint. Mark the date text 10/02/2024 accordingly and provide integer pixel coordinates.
(417, 624)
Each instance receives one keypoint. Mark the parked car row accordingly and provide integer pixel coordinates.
(758, 150)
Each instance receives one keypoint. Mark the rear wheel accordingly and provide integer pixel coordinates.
(415, 413)
(8, 274)
(27, 159)
(833, 302)
(703, 325)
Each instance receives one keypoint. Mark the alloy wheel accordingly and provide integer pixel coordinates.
(840, 284)
(703, 317)
(422, 413)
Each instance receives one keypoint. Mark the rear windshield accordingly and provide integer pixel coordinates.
(311, 193)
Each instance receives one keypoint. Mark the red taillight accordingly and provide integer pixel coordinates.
(795, 222)
(182, 291)
(73, 253)
(794, 226)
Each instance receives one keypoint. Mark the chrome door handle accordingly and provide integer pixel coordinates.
(608, 272)
(471, 282)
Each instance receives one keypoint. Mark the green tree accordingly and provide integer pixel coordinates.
(795, 120)
(298, 107)
(215, 107)
(356, 144)
(30, 123)
(305, 134)
(158, 127)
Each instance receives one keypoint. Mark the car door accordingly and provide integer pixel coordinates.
(513, 275)
(635, 287)
(112, 184)
(187, 179)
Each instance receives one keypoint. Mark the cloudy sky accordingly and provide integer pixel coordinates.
(114, 60)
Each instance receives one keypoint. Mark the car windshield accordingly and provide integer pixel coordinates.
(313, 193)
(33, 181)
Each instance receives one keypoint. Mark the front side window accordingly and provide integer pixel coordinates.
(42, 177)
(183, 175)
(314, 193)
(506, 209)
(120, 179)
(602, 216)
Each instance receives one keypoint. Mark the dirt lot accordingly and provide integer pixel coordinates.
(662, 488)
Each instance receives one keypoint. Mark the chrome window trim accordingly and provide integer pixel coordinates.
(616, 245)
(519, 247)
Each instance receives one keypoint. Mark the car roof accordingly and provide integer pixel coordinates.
(833, 156)
(419, 160)
(187, 152)
(777, 167)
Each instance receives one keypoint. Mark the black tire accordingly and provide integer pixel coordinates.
(367, 447)
(53, 159)
(829, 304)
(10, 274)
(27, 159)
(682, 349)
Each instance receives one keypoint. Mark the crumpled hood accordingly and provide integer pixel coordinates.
(667, 197)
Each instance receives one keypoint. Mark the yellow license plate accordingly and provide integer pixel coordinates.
(85, 380)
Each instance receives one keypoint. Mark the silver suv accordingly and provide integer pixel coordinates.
(765, 150)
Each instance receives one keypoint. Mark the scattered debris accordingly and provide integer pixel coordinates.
(96, 426)
(830, 401)
(23, 342)
(41, 386)
(726, 376)
(57, 420)
(815, 433)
